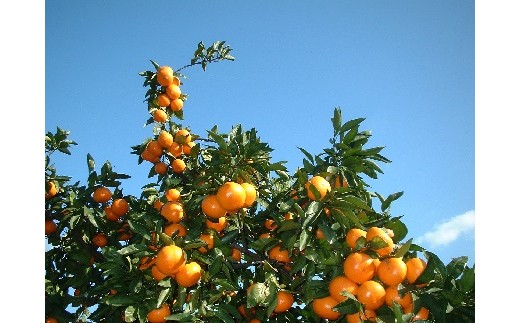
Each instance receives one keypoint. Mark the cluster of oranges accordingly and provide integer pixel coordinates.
(169, 96)
(51, 191)
(373, 281)
(115, 209)
(170, 146)
(229, 198)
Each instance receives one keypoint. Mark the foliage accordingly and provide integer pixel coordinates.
(88, 283)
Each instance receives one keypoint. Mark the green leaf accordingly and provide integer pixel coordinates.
(304, 239)
(224, 316)
(215, 266)
(357, 202)
(90, 163)
(336, 120)
(351, 124)
(163, 295)
(311, 214)
(392, 197)
(289, 226)
(467, 280)
(403, 249)
(131, 249)
(306, 153)
(121, 300)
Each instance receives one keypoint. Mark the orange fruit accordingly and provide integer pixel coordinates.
(148, 156)
(102, 195)
(146, 262)
(371, 294)
(422, 314)
(51, 190)
(160, 115)
(51, 320)
(173, 211)
(279, 255)
(165, 139)
(178, 165)
(176, 81)
(99, 240)
(342, 284)
(353, 235)
(359, 267)
(186, 149)
(176, 227)
(236, 254)
(212, 208)
(288, 216)
(414, 268)
(231, 196)
(217, 226)
(255, 320)
(323, 307)
(175, 149)
(172, 194)
(391, 271)
(50, 227)
(284, 301)
(250, 194)
(319, 234)
(321, 184)
(165, 75)
(119, 207)
(173, 91)
(182, 136)
(157, 315)
(163, 100)
(157, 274)
(160, 168)
(361, 316)
(392, 294)
(210, 241)
(154, 148)
(176, 104)
(170, 259)
(379, 232)
(157, 204)
(189, 275)
(340, 182)
(264, 236)
(270, 225)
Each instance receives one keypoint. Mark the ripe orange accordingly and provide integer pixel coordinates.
(392, 271)
(186, 149)
(182, 136)
(284, 301)
(255, 320)
(50, 227)
(212, 208)
(163, 100)
(264, 236)
(359, 267)
(270, 225)
(173, 211)
(176, 104)
(181, 229)
(160, 115)
(172, 194)
(353, 235)
(288, 216)
(371, 294)
(160, 168)
(323, 308)
(119, 207)
(379, 232)
(319, 234)
(279, 255)
(157, 315)
(392, 294)
(236, 254)
(51, 190)
(102, 195)
(415, 267)
(154, 148)
(250, 194)
(231, 196)
(175, 149)
(217, 226)
(51, 320)
(340, 182)
(99, 240)
(165, 75)
(146, 155)
(178, 165)
(165, 139)
(342, 284)
(422, 314)
(361, 316)
(173, 91)
(189, 275)
(170, 259)
(321, 184)
(157, 204)
(157, 274)
(210, 241)
(146, 262)
(176, 81)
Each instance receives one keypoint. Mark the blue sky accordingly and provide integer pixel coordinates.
(406, 66)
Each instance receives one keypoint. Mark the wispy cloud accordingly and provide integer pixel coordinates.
(448, 231)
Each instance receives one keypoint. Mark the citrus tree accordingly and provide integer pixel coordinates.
(222, 233)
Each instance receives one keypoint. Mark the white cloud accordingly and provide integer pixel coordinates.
(448, 231)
